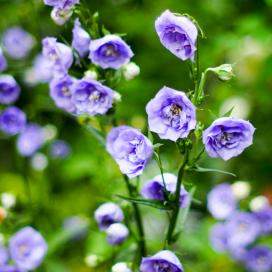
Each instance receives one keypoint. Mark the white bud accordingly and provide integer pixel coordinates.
(258, 203)
(224, 71)
(121, 267)
(131, 70)
(39, 162)
(91, 74)
(117, 97)
(92, 260)
(61, 16)
(8, 200)
(50, 132)
(240, 189)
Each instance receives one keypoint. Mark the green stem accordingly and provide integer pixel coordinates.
(175, 213)
(138, 218)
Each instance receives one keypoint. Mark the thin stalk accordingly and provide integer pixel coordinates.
(175, 213)
(138, 218)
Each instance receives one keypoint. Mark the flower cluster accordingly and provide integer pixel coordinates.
(26, 251)
(239, 231)
(109, 217)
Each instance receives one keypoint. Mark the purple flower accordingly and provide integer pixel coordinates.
(161, 262)
(107, 214)
(117, 233)
(61, 3)
(221, 201)
(227, 137)
(60, 149)
(59, 54)
(130, 149)
(3, 62)
(154, 189)
(61, 92)
(243, 228)
(177, 34)
(4, 256)
(9, 268)
(27, 248)
(12, 120)
(9, 89)
(81, 39)
(42, 69)
(265, 219)
(259, 259)
(110, 52)
(91, 97)
(17, 42)
(30, 140)
(219, 237)
(171, 114)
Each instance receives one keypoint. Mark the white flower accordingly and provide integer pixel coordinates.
(240, 189)
(131, 70)
(258, 203)
(39, 162)
(8, 200)
(121, 267)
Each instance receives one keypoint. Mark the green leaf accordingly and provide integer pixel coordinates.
(157, 146)
(146, 202)
(197, 168)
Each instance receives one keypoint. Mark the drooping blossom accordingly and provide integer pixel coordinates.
(117, 233)
(9, 89)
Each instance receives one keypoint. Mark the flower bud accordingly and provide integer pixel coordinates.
(92, 260)
(91, 74)
(8, 200)
(240, 189)
(121, 267)
(258, 203)
(117, 97)
(61, 16)
(131, 70)
(39, 162)
(224, 71)
(117, 233)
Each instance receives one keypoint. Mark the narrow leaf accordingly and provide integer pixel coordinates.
(202, 169)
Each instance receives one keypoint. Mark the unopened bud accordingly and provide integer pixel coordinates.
(117, 97)
(8, 200)
(61, 16)
(258, 203)
(240, 189)
(131, 70)
(121, 267)
(91, 74)
(224, 71)
(92, 260)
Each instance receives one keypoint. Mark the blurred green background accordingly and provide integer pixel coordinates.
(238, 31)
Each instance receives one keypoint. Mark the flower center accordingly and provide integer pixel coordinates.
(95, 96)
(110, 51)
(23, 249)
(162, 267)
(65, 91)
(175, 110)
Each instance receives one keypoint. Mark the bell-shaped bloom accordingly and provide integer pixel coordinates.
(9, 89)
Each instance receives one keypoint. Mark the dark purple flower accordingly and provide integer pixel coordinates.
(91, 97)
(59, 54)
(12, 120)
(227, 137)
(4, 256)
(264, 217)
(243, 228)
(107, 214)
(9, 89)
(60, 149)
(61, 92)
(17, 42)
(81, 39)
(171, 114)
(27, 248)
(219, 237)
(30, 140)
(221, 201)
(110, 52)
(117, 233)
(130, 149)
(61, 3)
(178, 34)
(259, 259)
(3, 62)
(154, 189)
(161, 262)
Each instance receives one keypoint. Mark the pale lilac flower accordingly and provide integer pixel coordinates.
(227, 137)
(42, 68)
(264, 217)
(221, 201)
(259, 259)
(219, 237)
(12, 120)
(61, 92)
(171, 114)
(154, 189)
(178, 34)
(9, 89)
(9, 268)
(110, 52)
(130, 149)
(27, 248)
(4, 256)
(117, 233)
(60, 149)
(161, 262)
(59, 55)
(81, 39)
(107, 214)
(61, 3)
(91, 97)
(17, 42)
(30, 140)
(3, 62)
